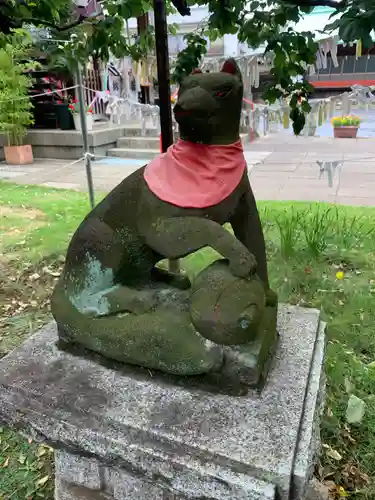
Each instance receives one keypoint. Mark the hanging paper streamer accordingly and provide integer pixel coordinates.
(345, 104)
(105, 78)
(358, 49)
(329, 167)
(331, 108)
(264, 118)
(137, 76)
(254, 76)
(320, 116)
(123, 110)
(286, 119)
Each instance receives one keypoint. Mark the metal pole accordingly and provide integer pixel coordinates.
(82, 113)
(162, 58)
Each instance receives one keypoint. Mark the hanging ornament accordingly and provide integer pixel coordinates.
(324, 111)
(331, 108)
(347, 103)
(358, 49)
(329, 167)
(320, 116)
(333, 49)
(286, 119)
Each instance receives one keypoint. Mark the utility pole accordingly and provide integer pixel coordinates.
(162, 58)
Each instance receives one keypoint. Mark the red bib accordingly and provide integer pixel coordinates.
(192, 175)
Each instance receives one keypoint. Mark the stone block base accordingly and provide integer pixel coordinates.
(79, 478)
(68, 144)
(122, 434)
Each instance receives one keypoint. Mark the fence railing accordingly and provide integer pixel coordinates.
(92, 82)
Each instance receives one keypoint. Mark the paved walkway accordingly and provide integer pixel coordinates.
(281, 167)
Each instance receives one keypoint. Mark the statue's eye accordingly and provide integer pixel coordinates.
(222, 93)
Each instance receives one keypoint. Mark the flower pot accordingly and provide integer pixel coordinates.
(18, 155)
(77, 121)
(345, 132)
(64, 117)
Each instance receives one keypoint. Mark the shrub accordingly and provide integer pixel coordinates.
(15, 105)
(346, 121)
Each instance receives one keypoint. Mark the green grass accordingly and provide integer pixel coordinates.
(307, 246)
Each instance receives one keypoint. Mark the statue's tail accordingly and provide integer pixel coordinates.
(164, 340)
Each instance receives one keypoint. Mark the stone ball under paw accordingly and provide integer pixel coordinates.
(224, 308)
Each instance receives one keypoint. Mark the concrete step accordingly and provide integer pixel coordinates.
(150, 141)
(138, 142)
(138, 154)
(136, 131)
(145, 148)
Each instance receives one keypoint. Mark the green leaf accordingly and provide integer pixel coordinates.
(355, 410)
(172, 28)
(306, 108)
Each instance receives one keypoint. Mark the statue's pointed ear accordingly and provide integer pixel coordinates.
(230, 66)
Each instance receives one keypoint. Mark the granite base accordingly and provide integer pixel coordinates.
(124, 434)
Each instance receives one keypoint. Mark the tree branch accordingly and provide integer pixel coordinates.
(317, 3)
(42, 22)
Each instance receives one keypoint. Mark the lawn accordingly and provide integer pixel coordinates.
(319, 256)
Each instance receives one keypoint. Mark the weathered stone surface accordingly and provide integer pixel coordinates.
(308, 448)
(119, 484)
(68, 144)
(171, 434)
(251, 362)
(78, 470)
(68, 491)
(105, 299)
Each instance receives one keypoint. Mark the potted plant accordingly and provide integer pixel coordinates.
(61, 103)
(345, 127)
(15, 103)
(74, 109)
(63, 115)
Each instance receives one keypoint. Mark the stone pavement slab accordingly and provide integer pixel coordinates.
(281, 167)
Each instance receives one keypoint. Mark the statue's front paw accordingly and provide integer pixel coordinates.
(244, 266)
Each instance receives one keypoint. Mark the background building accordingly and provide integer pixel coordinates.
(352, 68)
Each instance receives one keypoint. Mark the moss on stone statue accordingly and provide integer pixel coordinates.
(112, 299)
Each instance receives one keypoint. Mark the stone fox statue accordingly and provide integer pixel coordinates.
(113, 299)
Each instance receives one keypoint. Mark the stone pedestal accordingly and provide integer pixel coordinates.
(128, 434)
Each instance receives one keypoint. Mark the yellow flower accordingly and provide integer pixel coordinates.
(340, 275)
(342, 492)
